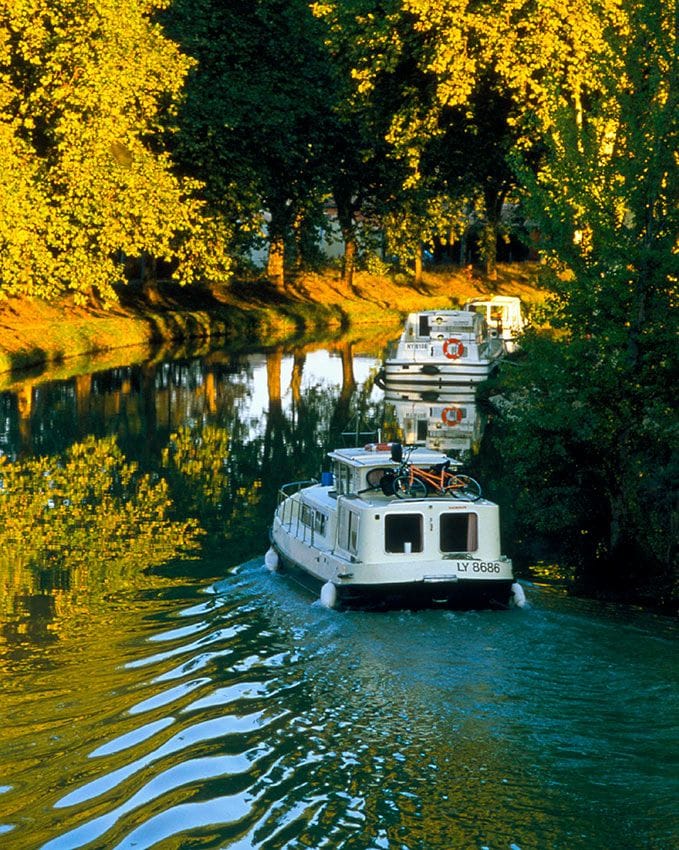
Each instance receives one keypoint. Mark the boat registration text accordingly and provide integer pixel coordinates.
(478, 567)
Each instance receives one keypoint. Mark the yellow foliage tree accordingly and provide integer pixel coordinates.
(83, 185)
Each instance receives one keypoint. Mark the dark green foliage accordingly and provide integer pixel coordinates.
(589, 464)
(254, 120)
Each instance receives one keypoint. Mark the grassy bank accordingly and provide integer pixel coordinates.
(41, 337)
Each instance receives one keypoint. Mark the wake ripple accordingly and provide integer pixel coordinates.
(314, 729)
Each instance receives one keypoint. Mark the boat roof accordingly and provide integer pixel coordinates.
(495, 299)
(465, 321)
(450, 315)
(362, 457)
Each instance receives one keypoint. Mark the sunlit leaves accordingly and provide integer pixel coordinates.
(90, 513)
(82, 99)
(200, 457)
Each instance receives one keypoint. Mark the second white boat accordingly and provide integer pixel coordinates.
(442, 347)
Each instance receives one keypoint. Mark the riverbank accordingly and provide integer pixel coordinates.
(37, 335)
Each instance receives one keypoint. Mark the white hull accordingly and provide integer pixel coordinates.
(436, 374)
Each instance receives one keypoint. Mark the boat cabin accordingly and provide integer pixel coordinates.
(360, 470)
(436, 326)
(502, 314)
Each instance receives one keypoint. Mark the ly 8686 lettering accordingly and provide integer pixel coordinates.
(485, 567)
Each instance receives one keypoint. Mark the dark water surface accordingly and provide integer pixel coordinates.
(158, 695)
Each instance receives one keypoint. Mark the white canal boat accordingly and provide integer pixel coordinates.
(442, 347)
(362, 546)
(503, 317)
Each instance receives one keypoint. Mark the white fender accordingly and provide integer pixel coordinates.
(271, 560)
(518, 595)
(329, 595)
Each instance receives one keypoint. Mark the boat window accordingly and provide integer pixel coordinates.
(306, 515)
(342, 478)
(423, 326)
(354, 521)
(403, 532)
(348, 530)
(320, 522)
(459, 532)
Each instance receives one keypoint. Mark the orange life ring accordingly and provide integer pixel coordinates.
(377, 447)
(456, 346)
(451, 415)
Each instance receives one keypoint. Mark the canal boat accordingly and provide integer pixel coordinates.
(352, 538)
(439, 348)
(503, 317)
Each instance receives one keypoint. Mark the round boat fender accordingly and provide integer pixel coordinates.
(518, 597)
(329, 595)
(271, 561)
(451, 415)
(453, 348)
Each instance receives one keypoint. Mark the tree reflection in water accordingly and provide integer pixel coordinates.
(111, 481)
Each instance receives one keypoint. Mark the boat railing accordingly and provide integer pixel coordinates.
(291, 511)
(292, 487)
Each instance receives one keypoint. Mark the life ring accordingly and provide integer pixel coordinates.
(453, 348)
(377, 447)
(451, 415)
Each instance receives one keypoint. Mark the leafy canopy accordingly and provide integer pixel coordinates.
(82, 99)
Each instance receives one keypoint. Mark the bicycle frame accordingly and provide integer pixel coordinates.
(415, 481)
(437, 480)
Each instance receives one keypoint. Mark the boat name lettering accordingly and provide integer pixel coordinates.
(417, 346)
(479, 566)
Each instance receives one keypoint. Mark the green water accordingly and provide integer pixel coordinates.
(162, 689)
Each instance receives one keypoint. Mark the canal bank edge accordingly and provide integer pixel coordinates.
(39, 335)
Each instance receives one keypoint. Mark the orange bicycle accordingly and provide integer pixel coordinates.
(415, 482)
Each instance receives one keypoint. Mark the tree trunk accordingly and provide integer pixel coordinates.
(149, 278)
(275, 267)
(489, 249)
(418, 267)
(346, 217)
(349, 259)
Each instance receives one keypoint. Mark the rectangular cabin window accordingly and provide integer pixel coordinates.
(348, 523)
(423, 326)
(403, 532)
(354, 522)
(459, 532)
(306, 516)
(342, 478)
(320, 523)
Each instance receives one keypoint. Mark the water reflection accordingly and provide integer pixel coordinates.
(107, 476)
(255, 720)
(153, 698)
(448, 420)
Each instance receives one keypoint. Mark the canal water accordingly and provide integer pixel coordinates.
(161, 689)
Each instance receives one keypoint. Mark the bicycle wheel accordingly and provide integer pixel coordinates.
(466, 488)
(407, 488)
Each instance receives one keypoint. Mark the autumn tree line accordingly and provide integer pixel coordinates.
(159, 132)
